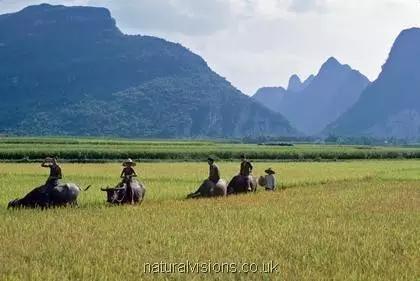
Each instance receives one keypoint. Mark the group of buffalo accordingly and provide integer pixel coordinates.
(133, 192)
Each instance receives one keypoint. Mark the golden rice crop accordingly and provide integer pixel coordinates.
(354, 220)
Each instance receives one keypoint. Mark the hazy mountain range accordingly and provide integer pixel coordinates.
(319, 100)
(390, 106)
(340, 101)
(70, 71)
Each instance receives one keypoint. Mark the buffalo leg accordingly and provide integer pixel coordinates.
(74, 204)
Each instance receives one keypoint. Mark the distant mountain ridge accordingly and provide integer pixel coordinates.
(271, 97)
(296, 85)
(390, 106)
(319, 100)
(71, 71)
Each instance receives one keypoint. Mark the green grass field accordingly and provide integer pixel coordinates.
(88, 150)
(356, 220)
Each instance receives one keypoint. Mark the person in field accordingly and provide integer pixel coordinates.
(55, 171)
(213, 186)
(128, 171)
(270, 180)
(243, 182)
(214, 172)
(127, 175)
(246, 171)
(53, 178)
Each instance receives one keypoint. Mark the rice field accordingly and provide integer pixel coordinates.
(357, 220)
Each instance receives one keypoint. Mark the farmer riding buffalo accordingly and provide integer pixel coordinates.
(129, 190)
(54, 176)
(246, 171)
(244, 182)
(213, 186)
(52, 193)
(128, 171)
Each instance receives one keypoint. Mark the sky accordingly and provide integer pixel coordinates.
(256, 43)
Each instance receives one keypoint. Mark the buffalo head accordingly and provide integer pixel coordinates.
(111, 194)
(13, 204)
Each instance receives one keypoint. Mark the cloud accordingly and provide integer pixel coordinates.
(190, 17)
(302, 6)
(256, 43)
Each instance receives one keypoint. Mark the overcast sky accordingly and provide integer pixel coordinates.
(255, 43)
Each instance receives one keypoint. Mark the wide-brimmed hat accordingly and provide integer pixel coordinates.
(211, 158)
(270, 171)
(129, 162)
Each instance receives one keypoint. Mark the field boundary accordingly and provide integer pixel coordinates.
(104, 151)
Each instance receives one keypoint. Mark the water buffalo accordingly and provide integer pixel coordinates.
(239, 185)
(132, 193)
(61, 195)
(210, 189)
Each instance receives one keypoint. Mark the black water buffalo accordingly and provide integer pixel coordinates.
(61, 195)
(210, 189)
(239, 185)
(131, 193)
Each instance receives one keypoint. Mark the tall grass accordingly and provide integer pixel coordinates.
(328, 221)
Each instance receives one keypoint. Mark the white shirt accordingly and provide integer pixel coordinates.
(271, 181)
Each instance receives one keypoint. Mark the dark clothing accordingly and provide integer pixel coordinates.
(55, 175)
(55, 172)
(128, 171)
(247, 183)
(53, 179)
(214, 173)
(246, 168)
(49, 186)
(51, 183)
(126, 175)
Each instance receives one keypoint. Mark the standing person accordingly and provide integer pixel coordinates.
(214, 172)
(246, 171)
(53, 178)
(270, 180)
